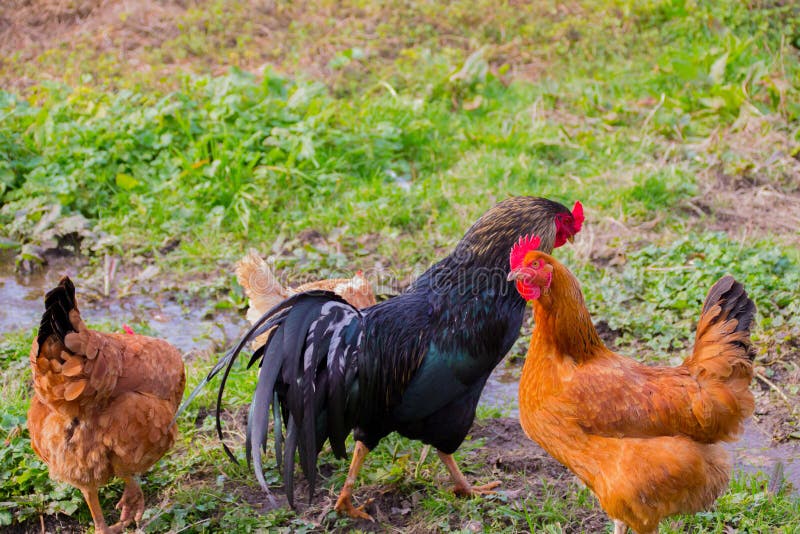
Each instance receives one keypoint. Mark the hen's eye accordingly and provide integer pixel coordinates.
(535, 264)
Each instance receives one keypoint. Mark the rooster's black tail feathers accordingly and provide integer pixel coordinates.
(304, 377)
(307, 368)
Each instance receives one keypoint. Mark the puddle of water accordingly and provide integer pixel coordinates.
(22, 296)
(753, 452)
(188, 329)
(501, 391)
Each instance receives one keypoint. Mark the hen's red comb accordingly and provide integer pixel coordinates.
(525, 244)
(128, 329)
(577, 215)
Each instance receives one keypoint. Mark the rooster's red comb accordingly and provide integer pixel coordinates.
(577, 215)
(525, 244)
(128, 329)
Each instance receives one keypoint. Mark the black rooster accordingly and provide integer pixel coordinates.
(415, 364)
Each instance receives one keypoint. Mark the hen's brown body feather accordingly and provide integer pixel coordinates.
(103, 403)
(264, 291)
(644, 439)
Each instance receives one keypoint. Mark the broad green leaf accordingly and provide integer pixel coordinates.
(126, 181)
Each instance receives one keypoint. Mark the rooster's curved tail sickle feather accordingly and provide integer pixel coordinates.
(307, 373)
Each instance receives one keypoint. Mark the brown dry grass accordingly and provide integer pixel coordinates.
(752, 182)
(30, 27)
(114, 39)
(30, 30)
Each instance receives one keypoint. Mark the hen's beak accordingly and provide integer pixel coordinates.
(571, 239)
(531, 276)
(521, 272)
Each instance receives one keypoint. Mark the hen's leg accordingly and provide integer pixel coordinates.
(619, 527)
(462, 487)
(344, 504)
(90, 494)
(131, 504)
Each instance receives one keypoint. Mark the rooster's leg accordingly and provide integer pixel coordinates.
(619, 527)
(131, 504)
(344, 504)
(462, 487)
(90, 494)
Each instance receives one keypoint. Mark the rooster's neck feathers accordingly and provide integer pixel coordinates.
(479, 264)
(488, 242)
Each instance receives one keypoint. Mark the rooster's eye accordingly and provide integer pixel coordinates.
(535, 264)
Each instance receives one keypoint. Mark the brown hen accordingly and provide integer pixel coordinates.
(102, 405)
(264, 291)
(644, 439)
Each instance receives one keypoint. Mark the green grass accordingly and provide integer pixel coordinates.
(387, 136)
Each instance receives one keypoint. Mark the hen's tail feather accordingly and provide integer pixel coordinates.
(734, 302)
(58, 302)
(260, 285)
(727, 316)
(722, 358)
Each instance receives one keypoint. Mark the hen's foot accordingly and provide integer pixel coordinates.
(100, 526)
(113, 529)
(131, 504)
(474, 491)
(344, 506)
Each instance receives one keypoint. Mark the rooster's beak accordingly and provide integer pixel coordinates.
(571, 239)
(513, 275)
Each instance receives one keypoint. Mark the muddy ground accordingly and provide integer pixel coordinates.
(507, 456)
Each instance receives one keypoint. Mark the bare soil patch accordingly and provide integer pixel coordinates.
(777, 387)
(749, 189)
(32, 26)
(47, 523)
(752, 183)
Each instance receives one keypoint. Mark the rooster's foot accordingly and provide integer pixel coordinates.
(344, 506)
(474, 491)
